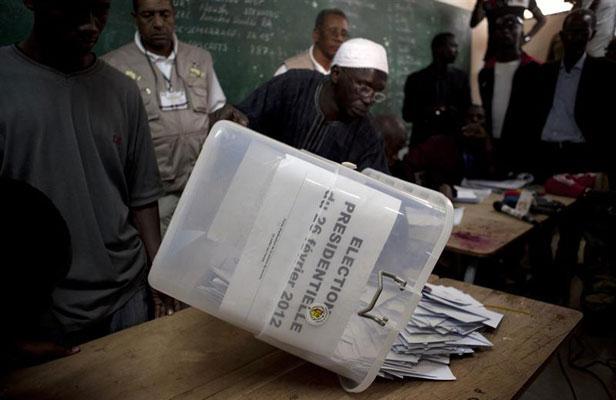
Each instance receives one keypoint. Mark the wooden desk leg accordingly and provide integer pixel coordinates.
(471, 270)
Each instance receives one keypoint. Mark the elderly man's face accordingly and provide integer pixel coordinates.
(357, 89)
(331, 35)
(75, 25)
(155, 20)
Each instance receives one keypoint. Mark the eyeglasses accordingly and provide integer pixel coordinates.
(365, 90)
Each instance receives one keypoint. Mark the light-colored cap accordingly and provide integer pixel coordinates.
(361, 53)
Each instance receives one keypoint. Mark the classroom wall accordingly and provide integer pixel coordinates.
(540, 45)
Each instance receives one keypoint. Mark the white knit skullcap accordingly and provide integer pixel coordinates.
(361, 53)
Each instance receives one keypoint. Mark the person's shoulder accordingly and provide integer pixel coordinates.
(9, 57)
(600, 62)
(121, 55)
(115, 79)
(297, 57)
(601, 68)
(6, 50)
(189, 50)
(550, 66)
(459, 73)
(302, 75)
(366, 126)
(419, 73)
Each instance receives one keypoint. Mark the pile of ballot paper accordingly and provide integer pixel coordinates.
(446, 322)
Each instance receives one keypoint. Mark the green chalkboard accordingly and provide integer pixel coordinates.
(250, 38)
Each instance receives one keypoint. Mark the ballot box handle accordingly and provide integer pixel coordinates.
(366, 312)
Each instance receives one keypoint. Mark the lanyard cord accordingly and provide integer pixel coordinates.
(169, 86)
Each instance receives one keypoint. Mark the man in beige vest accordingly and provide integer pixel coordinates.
(180, 91)
(331, 29)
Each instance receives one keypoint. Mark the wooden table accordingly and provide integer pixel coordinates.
(192, 355)
(485, 232)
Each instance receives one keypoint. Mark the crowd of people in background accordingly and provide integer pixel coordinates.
(102, 149)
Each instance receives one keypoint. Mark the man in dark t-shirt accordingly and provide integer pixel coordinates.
(326, 115)
(76, 129)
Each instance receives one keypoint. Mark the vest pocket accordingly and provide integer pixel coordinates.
(150, 103)
(198, 96)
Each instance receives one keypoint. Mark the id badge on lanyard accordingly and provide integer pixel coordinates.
(173, 100)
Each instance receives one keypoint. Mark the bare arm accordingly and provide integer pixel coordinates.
(539, 21)
(478, 14)
(230, 113)
(147, 222)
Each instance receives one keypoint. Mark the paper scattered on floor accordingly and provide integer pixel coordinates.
(446, 322)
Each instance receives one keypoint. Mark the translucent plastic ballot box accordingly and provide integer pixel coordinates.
(317, 259)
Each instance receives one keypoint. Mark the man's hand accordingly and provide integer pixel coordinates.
(164, 305)
(229, 113)
(474, 131)
(40, 351)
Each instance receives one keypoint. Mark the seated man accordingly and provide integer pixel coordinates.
(391, 128)
(433, 163)
(331, 29)
(476, 145)
(327, 115)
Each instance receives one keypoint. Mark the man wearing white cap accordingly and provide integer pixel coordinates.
(327, 115)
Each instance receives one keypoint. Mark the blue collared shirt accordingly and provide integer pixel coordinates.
(560, 125)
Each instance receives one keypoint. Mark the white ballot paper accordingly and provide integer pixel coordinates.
(445, 323)
(308, 256)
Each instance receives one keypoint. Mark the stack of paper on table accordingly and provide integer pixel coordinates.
(506, 184)
(469, 195)
(446, 322)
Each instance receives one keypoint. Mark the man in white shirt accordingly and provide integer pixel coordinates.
(499, 82)
(331, 29)
(180, 91)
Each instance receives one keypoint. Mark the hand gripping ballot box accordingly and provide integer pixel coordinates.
(310, 256)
